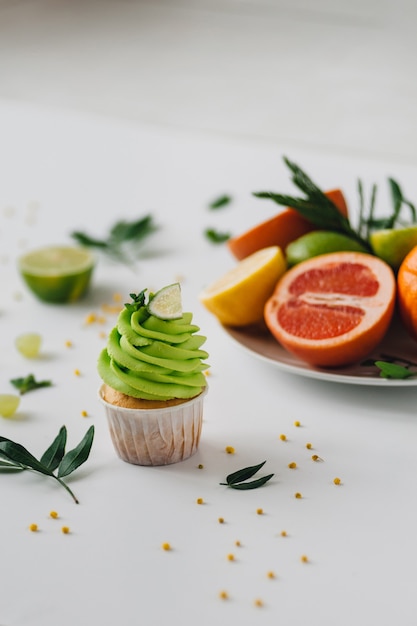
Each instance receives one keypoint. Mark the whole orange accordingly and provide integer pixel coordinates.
(407, 292)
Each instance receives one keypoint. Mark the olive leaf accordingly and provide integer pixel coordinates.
(76, 457)
(236, 479)
(15, 456)
(52, 457)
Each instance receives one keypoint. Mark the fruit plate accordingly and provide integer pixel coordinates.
(258, 341)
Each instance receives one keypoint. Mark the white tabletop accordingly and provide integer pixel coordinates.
(63, 171)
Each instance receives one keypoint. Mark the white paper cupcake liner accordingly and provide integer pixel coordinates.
(156, 436)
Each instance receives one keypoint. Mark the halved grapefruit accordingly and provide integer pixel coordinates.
(280, 230)
(407, 292)
(333, 309)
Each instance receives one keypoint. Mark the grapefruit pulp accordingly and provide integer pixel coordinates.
(333, 309)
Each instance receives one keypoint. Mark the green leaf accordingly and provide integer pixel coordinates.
(244, 474)
(52, 457)
(220, 202)
(77, 456)
(253, 484)
(29, 383)
(89, 242)
(216, 236)
(8, 465)
(18, 454)
(392, 370)
(236, 479)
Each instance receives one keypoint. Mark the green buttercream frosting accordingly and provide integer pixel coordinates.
(154, 359)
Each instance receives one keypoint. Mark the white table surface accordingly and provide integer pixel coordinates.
(112, 110)
(61, 172)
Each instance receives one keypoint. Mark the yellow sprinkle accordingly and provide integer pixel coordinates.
(258, 602)
(91, 318)
(77, 372)
(102, 335)
(270, 575)
(33, 528)
(101, 319)
(298, 495)
(53, 514)
(260, 511)
(221, 520)
(230, 449)
(337, 481)
(166, 546)
(200, 501)
(283, 437)
(292, 465)
(84, 413)
(117, 297)
(65, 530)
(304, 559)
(200, 466)
(316, 457)
(237, 543)
(207, 373)
(309, 446)
(230, 557)
(223, 595)
(68, 344)
(283, 533)
(297, 423)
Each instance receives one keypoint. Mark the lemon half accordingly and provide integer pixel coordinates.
(57, 274)
(239, 296)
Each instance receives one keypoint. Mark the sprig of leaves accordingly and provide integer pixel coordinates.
(15, 456)
(29, 383)
(318, 209)
(237, 479)
(138, 300)
(121, 235)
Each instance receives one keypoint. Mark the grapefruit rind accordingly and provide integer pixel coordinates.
(366, 332)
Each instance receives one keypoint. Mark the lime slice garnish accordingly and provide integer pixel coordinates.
(29, 344)
(166, 303)
(8, 404)
(57, 273)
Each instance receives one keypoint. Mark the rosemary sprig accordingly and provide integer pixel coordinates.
(220, 202)
(15, 456)
(29, 383)
(237, 479)
(122, 235)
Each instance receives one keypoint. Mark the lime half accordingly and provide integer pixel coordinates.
(166, 304)
(57, 274)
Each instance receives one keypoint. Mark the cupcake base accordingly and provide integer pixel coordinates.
(160, 434)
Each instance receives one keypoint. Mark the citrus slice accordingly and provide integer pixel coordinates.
(407, 292)
(393, 244)
(166, 303)
(320, 242)
(238, 297)
(57, 274)
(9, 404)
(29, 344)
(334, 309)
(280, 230)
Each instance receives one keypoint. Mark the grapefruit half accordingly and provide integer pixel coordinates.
(333, 309)
(407, 292)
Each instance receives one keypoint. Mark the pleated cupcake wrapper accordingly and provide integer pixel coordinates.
(156, 436)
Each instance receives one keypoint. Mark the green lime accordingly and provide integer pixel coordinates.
(57, 274)
(166, 303)
(320, 242)
(393, 245)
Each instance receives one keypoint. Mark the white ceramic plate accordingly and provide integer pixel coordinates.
(259, 342)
